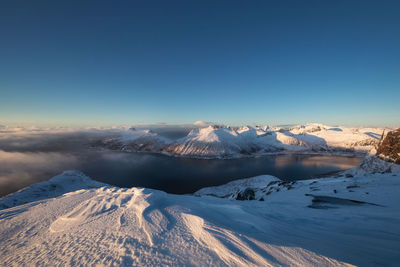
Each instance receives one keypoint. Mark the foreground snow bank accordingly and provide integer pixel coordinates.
(72, 220)
(68, 181)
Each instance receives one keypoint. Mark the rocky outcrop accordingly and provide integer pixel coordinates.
(389, 147)
(247, 194)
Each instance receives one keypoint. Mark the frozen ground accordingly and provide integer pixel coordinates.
(73, 220)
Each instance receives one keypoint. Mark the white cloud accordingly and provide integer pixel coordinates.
(202, 123)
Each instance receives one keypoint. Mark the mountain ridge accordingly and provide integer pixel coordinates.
(216, 141)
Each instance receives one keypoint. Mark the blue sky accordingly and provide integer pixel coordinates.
(234, 62)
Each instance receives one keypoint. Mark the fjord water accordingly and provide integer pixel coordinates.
(171, 174)
(183, 175)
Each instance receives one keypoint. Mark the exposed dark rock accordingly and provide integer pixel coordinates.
(322, 207)
(247, 194)
(368, 142)
(272, 183)
(389, 146)
(324, 202)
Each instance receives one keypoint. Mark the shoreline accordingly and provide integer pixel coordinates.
(355, 154)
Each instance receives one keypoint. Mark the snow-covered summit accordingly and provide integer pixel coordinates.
(213, 134)
(309, 128)
(209, 142)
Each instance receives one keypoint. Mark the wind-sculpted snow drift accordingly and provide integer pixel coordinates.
(353, 218)
(226, 142)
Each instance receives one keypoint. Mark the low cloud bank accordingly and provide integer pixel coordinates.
(18, 170)
(30, 155)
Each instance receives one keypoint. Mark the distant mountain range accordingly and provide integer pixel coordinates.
(228, 142)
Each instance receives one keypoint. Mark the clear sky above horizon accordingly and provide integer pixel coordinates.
(234, 62)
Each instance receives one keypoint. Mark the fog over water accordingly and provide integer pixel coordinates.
(30, 157)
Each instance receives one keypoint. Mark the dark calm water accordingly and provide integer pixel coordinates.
(170, 174)
(180, 175)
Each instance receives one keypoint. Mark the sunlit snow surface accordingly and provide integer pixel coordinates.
(73, 220)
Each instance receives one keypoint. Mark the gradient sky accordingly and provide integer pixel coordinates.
(235, 62)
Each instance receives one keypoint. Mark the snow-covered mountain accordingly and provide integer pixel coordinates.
(215, 141)
(133, 140)
(225, 142)
(72, 220)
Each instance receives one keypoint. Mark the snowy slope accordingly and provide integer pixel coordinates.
(226, 142)
(339, 137)
(321, 222)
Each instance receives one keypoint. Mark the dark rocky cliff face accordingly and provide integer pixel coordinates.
(389, 147)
